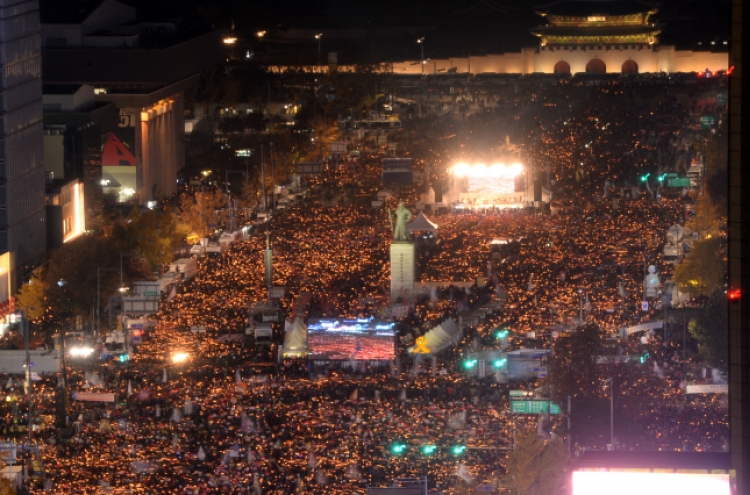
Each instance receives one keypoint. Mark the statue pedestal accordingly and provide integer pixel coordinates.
(403, 258)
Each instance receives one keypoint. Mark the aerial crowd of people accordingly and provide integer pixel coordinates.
(234, 418)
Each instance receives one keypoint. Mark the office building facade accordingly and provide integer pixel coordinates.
(22, 202)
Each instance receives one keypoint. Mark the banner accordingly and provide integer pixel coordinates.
(93, 397)
(714, 388)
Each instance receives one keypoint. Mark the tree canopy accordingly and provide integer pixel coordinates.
(202, 209)
(6, 487)
(537, 466)
(68, 286)
(709, 328)
(704, 269)
(31, 296)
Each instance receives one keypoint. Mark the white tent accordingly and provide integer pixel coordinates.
(422, 223)
(655, 325)
(295, 338)
(441, 336)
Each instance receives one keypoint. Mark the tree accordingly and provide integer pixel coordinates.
(325, 134)
(71, 276)
(705, 267)
(709, 328)
(6, 487)
(573, 369)
(201, 209)
(31, 296)
(153, 234)
(537, 466)
(708, 216)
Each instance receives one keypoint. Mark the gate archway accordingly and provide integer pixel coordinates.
(630, 67)
(596, 66)
(562, 67)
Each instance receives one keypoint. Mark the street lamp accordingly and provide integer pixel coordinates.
(580, 305)
(611, 383)
(98, 291)
(23, 322)
(263, 177)
(273, 171)
(421, 47)
(317, 37)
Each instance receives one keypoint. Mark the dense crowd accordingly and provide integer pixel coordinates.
(218, 424)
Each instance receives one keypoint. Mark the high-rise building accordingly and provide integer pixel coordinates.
(143, 68)
(22, 219)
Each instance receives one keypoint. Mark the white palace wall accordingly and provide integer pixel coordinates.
(543, 60)
(578, 58)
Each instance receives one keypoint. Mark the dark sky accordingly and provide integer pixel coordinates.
(453, 26)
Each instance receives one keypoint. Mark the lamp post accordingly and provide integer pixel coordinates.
(273, 176)
(684, 358)
(25, 326)
(98, 292)
(580, 305)
(611, 383)
(98, 299)
(317, 37)
(622, 288)
(421, 47)
(263, 176)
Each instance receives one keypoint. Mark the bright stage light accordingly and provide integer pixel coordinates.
(180, 357)
(81, 351)
(482, 171)
(647, 483)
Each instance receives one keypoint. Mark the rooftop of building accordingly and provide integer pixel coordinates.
(596, 31)
(584, 8)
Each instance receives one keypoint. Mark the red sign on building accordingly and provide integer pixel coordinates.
(7, 307)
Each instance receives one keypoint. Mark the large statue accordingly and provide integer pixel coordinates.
(403, 216)
(651, 283)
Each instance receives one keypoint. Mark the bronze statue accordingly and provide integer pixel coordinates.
(403, 216)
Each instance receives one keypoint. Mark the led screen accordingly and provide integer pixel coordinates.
(361, 339)
(645, 483)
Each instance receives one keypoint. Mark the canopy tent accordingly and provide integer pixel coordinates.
(654, 325)
(422, 223)
(295, 339)
(444, 335)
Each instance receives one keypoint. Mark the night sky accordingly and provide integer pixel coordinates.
(482, 26)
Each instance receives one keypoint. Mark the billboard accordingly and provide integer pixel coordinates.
(397, 163)
(364, 339)
(534, 407)
(643, 482)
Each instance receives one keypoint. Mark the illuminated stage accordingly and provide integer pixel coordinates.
(488, 186)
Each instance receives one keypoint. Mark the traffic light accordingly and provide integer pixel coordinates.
(499, 363)
(470, 363)
(458, 449)
(734, 295)
(398, 448)
(644, 358)
(644, 178)
(123, 358)
(429, 449)
(502, 334)
(662, 177)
